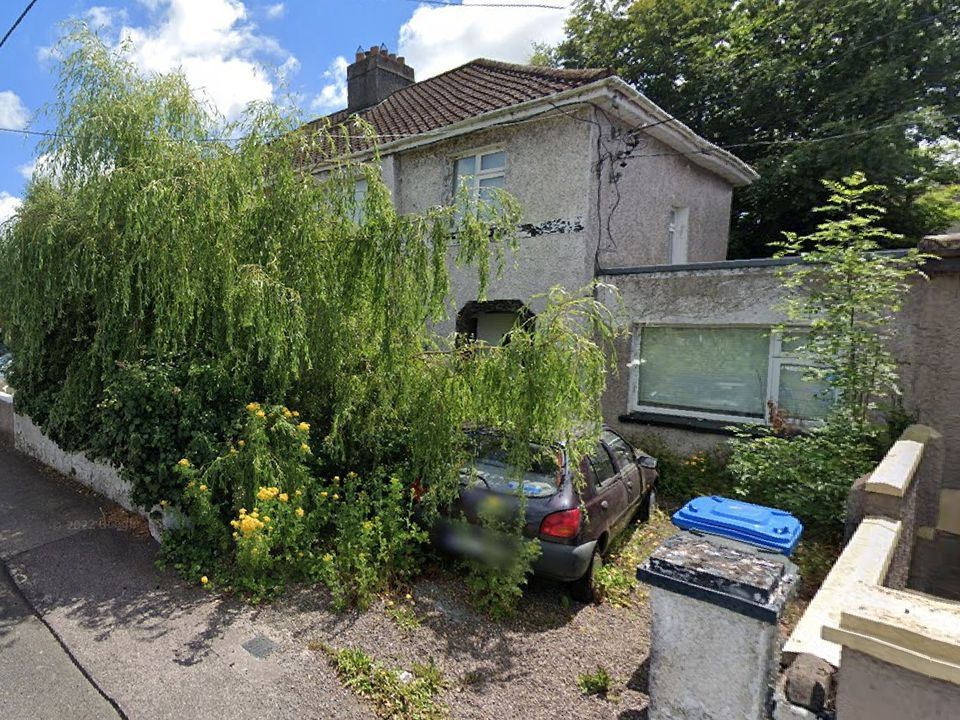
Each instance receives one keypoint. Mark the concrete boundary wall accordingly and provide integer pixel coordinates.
(863, 624)
(98, 476)
(6, 420)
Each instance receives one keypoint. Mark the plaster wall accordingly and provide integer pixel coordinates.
(927, 344)
(738, 296)
(6, 420)
(638, 191)
(547, 171)
(707, 662)
(931, 371)
(870, 689)
(575, 210)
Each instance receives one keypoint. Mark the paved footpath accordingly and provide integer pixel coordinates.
(90, 628)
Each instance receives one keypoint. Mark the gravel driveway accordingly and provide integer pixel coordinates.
(524, 667)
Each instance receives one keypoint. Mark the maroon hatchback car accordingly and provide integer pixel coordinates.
(574, 526)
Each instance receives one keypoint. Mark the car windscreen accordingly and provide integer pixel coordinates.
(491, 468)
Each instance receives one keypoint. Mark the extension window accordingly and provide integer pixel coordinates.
(724, 373)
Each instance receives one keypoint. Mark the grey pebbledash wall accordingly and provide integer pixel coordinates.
(582, 205)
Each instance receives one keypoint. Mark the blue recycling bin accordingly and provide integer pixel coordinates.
(744, 522)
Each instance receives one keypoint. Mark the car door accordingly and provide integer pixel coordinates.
(606, 503)
(625, 458)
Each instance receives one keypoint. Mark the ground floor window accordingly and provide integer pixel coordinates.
(724, 372)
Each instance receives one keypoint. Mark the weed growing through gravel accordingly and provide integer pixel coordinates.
(597, 683)
(617, 579)
(394, 694)
(404, 618)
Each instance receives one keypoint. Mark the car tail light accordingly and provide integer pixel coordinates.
(564, 524)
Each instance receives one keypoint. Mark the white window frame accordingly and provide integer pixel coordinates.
(776, 359)
(473, 187)
(678, 235)
(359, 196)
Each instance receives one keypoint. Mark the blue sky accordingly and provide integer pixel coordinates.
(236, 51)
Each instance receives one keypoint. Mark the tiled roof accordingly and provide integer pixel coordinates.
(478, 87)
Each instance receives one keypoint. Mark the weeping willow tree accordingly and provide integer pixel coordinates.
(171, 266)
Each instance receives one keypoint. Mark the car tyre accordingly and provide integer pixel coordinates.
(585, 589)
(649, 505)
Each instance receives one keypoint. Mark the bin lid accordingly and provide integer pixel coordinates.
(753, 524)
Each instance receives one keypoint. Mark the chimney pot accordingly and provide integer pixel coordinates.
(374, 75)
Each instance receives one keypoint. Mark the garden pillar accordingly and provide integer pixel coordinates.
(715, 648)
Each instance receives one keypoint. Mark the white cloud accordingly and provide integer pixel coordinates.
(333, 95)
(436, 39)
(9, 204)
(219, 50)
(41, 164)
(275, 11)
(13, 113)
(100, 17)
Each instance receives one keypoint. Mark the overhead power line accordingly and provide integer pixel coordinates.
(702, 151)
(17, 21)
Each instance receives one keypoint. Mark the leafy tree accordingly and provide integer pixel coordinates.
(774, 80)
(177, 268)
(848, 295)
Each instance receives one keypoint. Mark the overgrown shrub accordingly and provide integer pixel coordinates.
(259, 518)
(808, 475)
(496, 581)
(153, 414)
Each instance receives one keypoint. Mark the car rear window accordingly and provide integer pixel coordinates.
(491, 469)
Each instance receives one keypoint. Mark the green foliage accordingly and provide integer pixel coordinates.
(375, 539)
(616, 581)
(809, 475)
(758, 76)
(815, 557)
(403, 617)
(496, 582)
(153, 414)
(847, 295)
(683, 477)
(258, 518)
(391, 696)
(597, 683)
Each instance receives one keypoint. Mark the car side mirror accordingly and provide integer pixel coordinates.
(646, 461)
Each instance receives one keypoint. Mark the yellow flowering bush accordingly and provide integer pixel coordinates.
(267, 518)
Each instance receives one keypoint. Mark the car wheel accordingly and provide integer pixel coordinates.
(585, 589)
(649, 505)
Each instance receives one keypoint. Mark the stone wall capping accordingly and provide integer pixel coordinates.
(897, 469)
(911, 630)
(864, 562)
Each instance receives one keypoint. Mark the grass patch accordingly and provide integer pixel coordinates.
(596, 683)
(617, 579)
(394, 694)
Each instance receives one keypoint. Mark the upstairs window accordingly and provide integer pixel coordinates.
(359, 196)
(677, 231)
(481, 173)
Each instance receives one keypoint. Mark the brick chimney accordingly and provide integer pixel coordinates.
(374, 75)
